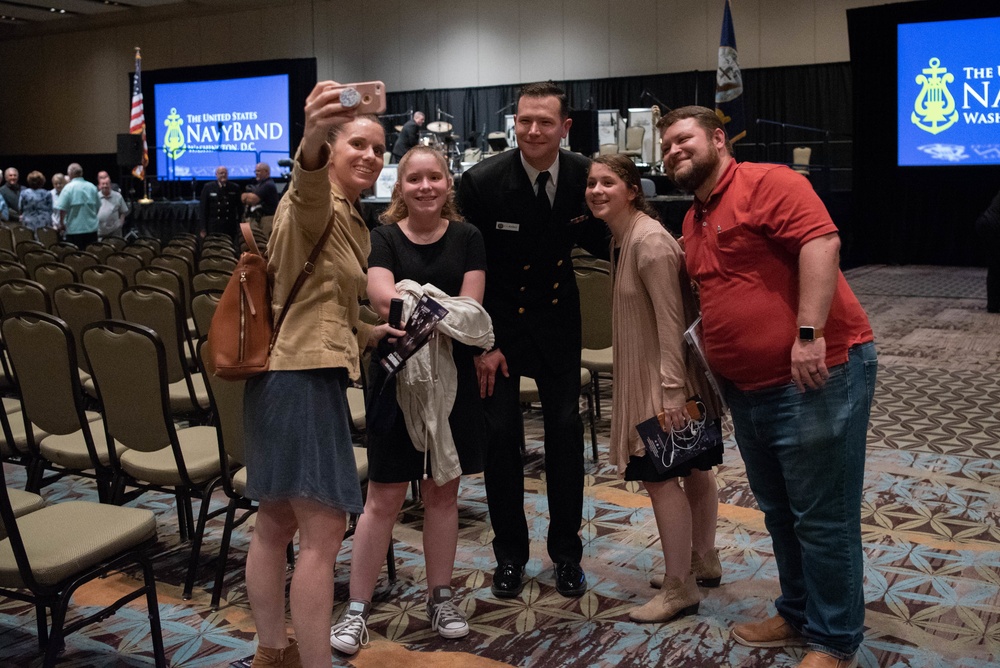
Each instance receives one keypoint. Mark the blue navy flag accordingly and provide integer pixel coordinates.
(729, 82)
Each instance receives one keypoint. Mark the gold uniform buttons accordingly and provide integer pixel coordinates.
(555, 286)
(555, 301)
(559, 263)
(520, 310)
(527, 267)
(523, 288)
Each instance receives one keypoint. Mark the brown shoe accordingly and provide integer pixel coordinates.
(772, 632)
(817, 659)
(707, 572)
(676, 599)
(271, 657)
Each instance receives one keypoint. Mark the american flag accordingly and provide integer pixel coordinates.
(137, 119)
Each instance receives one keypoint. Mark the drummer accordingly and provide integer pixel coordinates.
(409, 135)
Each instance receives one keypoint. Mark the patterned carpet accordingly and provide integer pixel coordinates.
(930, 525)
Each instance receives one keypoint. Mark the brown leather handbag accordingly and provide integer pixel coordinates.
(241, 335)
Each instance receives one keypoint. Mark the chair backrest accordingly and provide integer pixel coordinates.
(47, 236)
(183, 267)
(22, 233)
(61, 248)
(216, 263)
(126, 264)
(150, 242)
(102, 249)
(12, 270)
(159, 310)
(129, 369)
(43, 355)
(162, 277)
(218, 251)
(80, 260)
(18, 294)
(181, 249)
(117, 242)
(35, 257)
(595, 307)
(633, 137)
(800, 159)
(203, 307)
(608, 149)
(144, 253)
(79, 305)
(54, 274)
(226, 397)
(23, 247)
(648, 187)
(8, 255)
(6, 237)
(108, 280)
(210, 280)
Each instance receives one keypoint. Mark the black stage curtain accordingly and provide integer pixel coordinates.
(908, 215)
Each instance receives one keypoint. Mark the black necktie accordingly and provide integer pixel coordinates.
(542, 197)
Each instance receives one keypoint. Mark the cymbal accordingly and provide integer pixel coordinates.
(439, 127)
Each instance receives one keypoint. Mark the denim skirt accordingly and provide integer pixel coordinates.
(298, 438)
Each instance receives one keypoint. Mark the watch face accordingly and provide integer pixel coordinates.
(807, 333)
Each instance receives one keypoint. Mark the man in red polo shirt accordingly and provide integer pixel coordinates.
(796, 352)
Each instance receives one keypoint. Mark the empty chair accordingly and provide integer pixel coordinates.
(61, 248)
(80, 260)
(12, 270)
(79, 305)
(159, 310)
(21, 503)
(129, 362)
(8, 255)
(633, 141)
(217, 263)
(18, 294)
(162, 277)
(47, 236)
(184, 269)
(117, 242)
(43, 356)
(35, 257)
(144, 253)
(595, 317)
(800, 159)
(25, 246)
(210, 280)
(150, 242)
(108, 280)
(182, 250)
(529, 395)
(6, 238)
(102, 249)
(54, 550)
(203, 306)
(126, 264)
(54, 274)
(21, 234)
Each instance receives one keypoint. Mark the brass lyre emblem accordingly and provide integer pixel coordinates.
(934, 105)
(173, 141)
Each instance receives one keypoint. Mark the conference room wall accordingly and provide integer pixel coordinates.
(83, 103)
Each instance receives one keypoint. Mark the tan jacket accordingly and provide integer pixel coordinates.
(322, 329)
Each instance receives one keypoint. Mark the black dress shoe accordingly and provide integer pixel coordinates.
(570, 580)
(508, 581)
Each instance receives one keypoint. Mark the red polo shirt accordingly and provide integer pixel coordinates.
(742, 248)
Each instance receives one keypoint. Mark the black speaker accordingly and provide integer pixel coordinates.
(583, 132)
(129, 150)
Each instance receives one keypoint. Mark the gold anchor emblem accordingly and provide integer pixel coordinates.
(173, 141)
(934, 105)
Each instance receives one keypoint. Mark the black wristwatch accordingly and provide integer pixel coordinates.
(807, 333)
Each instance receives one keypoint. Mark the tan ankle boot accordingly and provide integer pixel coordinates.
(675, 599)
(270, 657)
(707, 572)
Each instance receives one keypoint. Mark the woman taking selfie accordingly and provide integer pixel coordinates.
(299, 456)
(655, 377)
(424, 241)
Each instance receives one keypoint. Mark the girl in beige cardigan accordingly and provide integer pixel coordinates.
(653, 375)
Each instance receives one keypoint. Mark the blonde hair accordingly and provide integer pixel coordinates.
(397, 210)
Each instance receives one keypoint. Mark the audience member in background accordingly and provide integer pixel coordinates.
(654, 375)
(111, 216)
(409, 136)
(299, 454)
(78, 207)
(220, 205)
(4, 211)
(988, 227)
(783, 329)
(114, 186)
(261, 198)
(35, 203)
(11, 192)
(424, 241)
(58, 181)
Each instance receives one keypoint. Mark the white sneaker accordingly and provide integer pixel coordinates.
(351, 633)
(445, 616)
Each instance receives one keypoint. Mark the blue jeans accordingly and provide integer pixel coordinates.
(805, 461)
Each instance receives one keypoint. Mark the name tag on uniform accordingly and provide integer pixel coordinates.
(508, 227)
